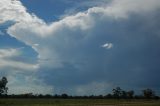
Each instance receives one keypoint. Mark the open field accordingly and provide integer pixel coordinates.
(77, 102)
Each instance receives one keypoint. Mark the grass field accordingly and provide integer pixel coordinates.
(77, 102)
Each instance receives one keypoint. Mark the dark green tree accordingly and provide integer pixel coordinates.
(117, 92)
(123, 94)
(64, 96)
(148, 93)
(3, 88)
(130, 94)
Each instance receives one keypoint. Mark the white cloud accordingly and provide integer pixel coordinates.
(13, 10)
(6, 53)
(18, 65)
(107, 45)
(7, 60)
(121, 8)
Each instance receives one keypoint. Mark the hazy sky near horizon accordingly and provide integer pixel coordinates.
(79, 47)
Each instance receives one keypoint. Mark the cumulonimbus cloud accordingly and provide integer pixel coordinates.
(47, 36)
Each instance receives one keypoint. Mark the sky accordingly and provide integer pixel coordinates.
(79, 47)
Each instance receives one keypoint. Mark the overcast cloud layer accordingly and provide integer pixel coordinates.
(90, 52)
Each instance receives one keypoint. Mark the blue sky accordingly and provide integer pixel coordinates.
(79, 47)
(52, 10)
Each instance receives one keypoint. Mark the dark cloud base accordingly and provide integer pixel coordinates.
(132, 63)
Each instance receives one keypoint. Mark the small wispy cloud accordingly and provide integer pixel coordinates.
(7, 60)
(9, 53)
(107, 45)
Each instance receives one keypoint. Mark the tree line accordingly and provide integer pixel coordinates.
(117, 93)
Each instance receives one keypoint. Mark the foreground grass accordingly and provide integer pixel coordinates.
(77, 102)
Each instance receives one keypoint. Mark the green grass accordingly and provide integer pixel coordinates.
(77, 102)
